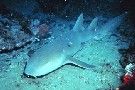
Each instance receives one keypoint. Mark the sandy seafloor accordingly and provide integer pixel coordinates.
(101, 53)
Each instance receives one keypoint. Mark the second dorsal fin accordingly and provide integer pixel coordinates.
(93, 24)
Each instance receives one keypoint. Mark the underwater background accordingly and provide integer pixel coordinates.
(27, 25)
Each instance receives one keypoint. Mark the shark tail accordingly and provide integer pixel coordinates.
(115, 22)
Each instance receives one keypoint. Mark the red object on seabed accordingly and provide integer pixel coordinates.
(129, 79)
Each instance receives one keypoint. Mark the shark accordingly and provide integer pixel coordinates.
(60, 51)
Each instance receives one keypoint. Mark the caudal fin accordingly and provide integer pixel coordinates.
(112, 24)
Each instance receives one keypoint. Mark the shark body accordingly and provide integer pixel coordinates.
(60, 51)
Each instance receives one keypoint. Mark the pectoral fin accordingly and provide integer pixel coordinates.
(79, 63)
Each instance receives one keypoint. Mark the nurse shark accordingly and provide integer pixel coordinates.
(60, 51)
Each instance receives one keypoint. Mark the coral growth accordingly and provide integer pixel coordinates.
(39, 30)
(11, 35)
(15, 34)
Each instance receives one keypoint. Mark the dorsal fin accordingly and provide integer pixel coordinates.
(79, 23)
(93, 24)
